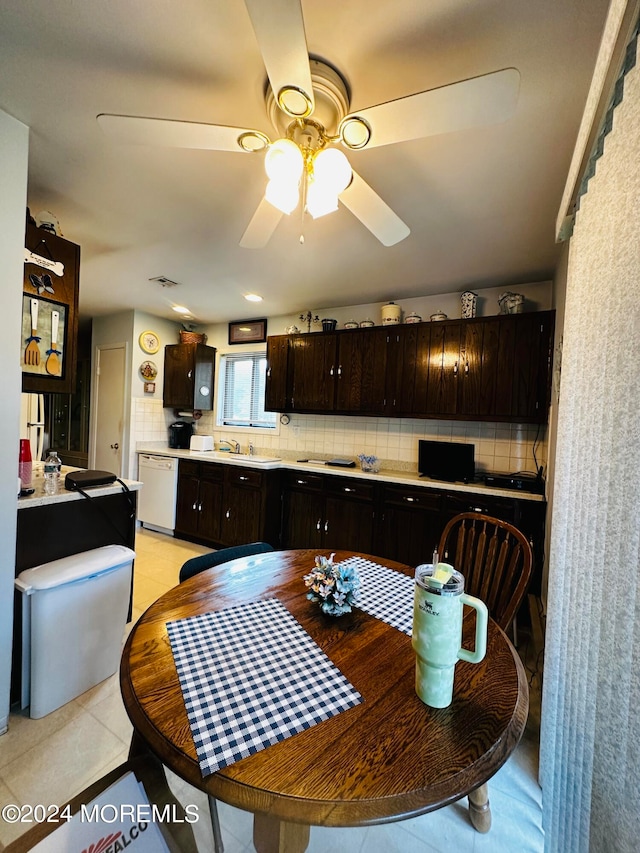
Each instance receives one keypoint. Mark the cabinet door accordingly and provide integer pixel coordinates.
(348, 525)
(187, 500)
(443, 369)
(523, 388)
(240, 515)
(303, 519)
(313, 372)
(277, 395)
(478, 374)
(410, 525)
(360, 382)
(209, 508)
(401, 369)
(188, 376)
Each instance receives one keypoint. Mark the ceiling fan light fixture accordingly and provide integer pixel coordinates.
(295, 102)
(354, 132)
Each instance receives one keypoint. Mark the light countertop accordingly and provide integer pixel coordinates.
(38, 498)
(385, 476)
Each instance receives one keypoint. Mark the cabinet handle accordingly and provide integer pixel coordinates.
(331, 371)
(409, 500)
(200, 507)
(326, 526)
(243, 478)
(318, 524)
(227, 514)
(348, 489)
(195, 506)
(301, 482)
(339, 370)
(482, 509)
(466, 368)
(455, 369)
(190, 374)
(269, 372)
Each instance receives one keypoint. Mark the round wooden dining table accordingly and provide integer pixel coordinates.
(389, 758)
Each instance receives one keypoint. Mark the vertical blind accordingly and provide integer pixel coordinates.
(244, 376)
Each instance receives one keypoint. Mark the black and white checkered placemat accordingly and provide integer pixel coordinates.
(383, 593)
(251, 676)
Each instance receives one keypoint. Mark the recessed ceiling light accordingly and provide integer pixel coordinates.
(253, 297)
(181, 309)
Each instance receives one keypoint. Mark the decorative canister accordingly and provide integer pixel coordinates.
(366, 324)
(438, 316)
(351, 324)
(468, 301)
(391, 314)
(510, 303)
(413, 318)
(329, 325)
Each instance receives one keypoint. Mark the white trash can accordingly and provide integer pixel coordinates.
(74, 612)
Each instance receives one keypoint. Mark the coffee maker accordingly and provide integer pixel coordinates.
(180, 434)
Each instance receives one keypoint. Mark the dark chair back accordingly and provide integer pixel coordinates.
(495, 559)
(206, 561)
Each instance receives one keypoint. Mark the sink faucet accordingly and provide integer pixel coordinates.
(251, 449)
(235, 445)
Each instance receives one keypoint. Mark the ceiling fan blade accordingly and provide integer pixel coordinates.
(374, 213)
(179, 134)
(489, 99)
(279, 28)
(263, 223)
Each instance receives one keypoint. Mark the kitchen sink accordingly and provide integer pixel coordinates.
(244, 457)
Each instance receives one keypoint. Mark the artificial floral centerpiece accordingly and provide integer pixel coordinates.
(369, 463)
(334, 586)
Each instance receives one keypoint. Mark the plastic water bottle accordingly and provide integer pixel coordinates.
(52, 466)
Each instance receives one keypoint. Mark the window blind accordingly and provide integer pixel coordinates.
(244, 377)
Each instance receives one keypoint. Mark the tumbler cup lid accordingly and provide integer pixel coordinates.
(441, 579)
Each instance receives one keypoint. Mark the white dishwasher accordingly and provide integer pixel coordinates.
(157, 497)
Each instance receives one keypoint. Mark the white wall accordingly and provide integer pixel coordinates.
(14, 147)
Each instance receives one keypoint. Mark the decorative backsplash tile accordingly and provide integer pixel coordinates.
(504, 448)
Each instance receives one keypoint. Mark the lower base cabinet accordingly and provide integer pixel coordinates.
(223, 505)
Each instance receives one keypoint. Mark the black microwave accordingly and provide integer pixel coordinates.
(451, 461)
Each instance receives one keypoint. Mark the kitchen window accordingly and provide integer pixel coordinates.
(242, 388)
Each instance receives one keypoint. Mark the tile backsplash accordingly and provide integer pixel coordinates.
(499, 447)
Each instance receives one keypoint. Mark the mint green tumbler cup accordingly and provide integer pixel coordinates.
(437, 631)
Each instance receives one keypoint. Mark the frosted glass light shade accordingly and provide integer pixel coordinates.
(321, 200)
(332, 169)
(282, 194)
(283, 161)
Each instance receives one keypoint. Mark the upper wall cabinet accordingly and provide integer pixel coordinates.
(48, 349)
(188, 376)
(487, 368)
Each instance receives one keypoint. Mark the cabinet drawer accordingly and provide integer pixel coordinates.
(244, 477)
(407, 497)
(502, 508)
(303, 481)
(188, 468)
(349, 488)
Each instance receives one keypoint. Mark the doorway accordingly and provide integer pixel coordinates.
(110, 383)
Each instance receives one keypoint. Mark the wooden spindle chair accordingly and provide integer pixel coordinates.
(495, 559)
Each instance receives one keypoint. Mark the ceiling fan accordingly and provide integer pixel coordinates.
(307, 101)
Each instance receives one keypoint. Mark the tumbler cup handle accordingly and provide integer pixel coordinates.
(482, 616)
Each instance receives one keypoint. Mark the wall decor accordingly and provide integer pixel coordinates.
(149, 342)
(248, 332)
(149, 387)
(43, 336)
(148, 371)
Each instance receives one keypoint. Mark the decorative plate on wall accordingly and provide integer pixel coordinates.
(149, 342)
(148, 371)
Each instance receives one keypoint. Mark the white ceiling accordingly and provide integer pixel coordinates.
(481, 204)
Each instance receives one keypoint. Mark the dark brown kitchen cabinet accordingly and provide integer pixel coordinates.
(524, 358)
(51, 281)
(199, 500)
(312, 372)
(322, 511)
(277, 394)
(401, 364)
(188, 376)
(220, 504)
(361, 371)
(410, 524)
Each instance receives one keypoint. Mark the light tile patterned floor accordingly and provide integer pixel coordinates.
(49, 760)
